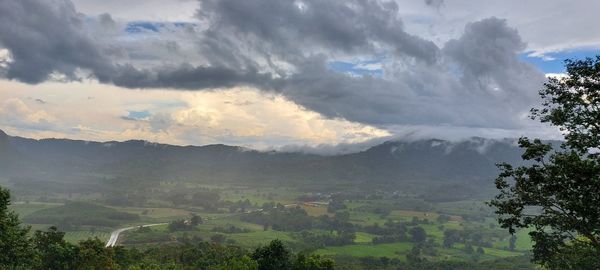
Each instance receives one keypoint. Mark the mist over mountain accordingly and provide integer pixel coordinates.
(420, 165)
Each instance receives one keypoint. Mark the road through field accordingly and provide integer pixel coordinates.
(114, 236)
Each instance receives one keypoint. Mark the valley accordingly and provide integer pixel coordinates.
(363, 214)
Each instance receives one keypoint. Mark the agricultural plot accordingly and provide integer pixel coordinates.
(76, 236)
(26, 208)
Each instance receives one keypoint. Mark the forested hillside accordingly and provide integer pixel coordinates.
(397, 163)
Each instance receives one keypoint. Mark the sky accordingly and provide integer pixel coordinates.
(279, 74)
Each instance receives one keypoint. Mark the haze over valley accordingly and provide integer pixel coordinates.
(299, 134)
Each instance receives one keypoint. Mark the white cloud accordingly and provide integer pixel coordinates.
(16, 113)
(546, 26)
(141, 10)
(369, 66)
(241, 116)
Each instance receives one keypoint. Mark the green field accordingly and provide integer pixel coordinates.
(523, 243)
(26, 208)
(79, 214)
(362, 237)
(100, 220)
(393, 250)
(76, 236)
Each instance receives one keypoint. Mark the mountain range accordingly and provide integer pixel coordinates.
(414, 165)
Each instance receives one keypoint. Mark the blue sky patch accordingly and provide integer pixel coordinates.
(152, 27)
(554, 62)
(138, 114)
(360, 68)
(140, 27)
(170, 104)
(548, 63)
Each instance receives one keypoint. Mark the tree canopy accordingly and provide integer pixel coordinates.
(558, 193)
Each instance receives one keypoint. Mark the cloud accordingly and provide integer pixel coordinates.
(140, 10)
(107, 21)
(40, 101)
(240, 116)
(487, 54)
(307, 26)
(16, 113)
(479, 77)
(44, 37)
(434, 3)
(160, 122)
(186, 76)
(474, 80)
(535, 20)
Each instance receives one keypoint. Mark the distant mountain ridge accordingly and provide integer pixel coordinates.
(425, 161)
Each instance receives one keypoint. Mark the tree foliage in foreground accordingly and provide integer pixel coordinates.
(15, 247)
(49, 250)
(558, 193)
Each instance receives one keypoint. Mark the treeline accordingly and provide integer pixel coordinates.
(49, 250)
(295, 219)
(419, 263)
(398, 231)
(469, 237)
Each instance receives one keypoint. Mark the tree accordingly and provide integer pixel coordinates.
(15, 247)
(414, 256)
(195, 220)
(94, 256)
(272, 257)
(512, 242)
(312, 262)
(218, 238)
(243, 263)
(180, 225)
(53, 251)
(558, 193)
(469, 248)
(443, 218)
(418, 234)
(450, 238)
(49, 250)
(335, 205)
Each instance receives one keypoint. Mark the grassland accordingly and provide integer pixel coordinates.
(26, 208)
(76, 236)
(101, 219)
(79, 214)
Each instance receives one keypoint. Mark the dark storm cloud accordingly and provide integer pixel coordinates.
(440, 87)
(487, 54)
(286, 47)
(45, 37)
(486, 85)
(298, 26)
(486, 47)
(186, 76)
